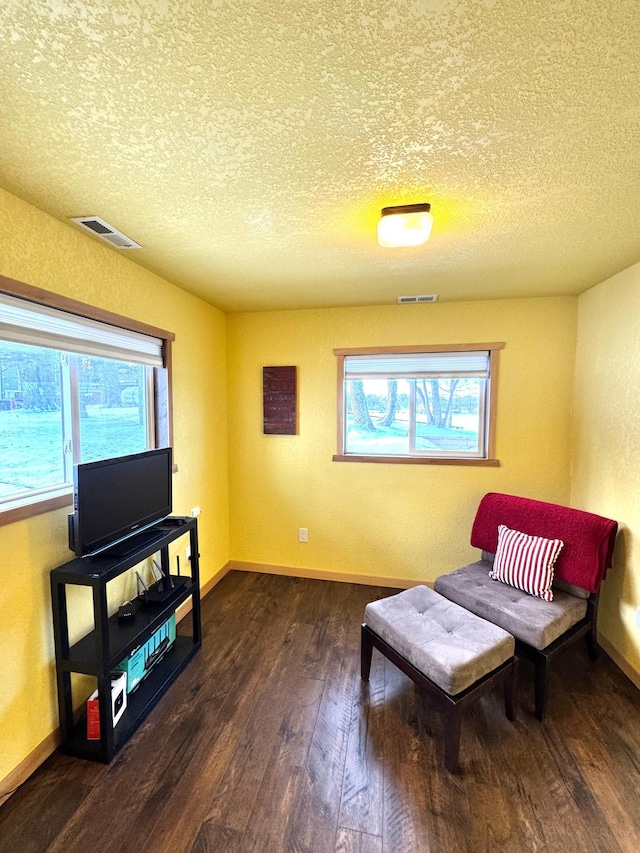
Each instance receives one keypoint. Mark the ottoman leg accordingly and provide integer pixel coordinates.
(510, 690)
(452, 725)
(366, 651)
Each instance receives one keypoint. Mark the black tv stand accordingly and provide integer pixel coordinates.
(111, 640)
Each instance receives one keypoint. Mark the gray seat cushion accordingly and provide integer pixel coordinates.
(449, 645)
(528, 618)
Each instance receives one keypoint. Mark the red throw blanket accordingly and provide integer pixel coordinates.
(588, 539)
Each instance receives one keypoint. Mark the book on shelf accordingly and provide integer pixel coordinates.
(93, 717)
(118, 705)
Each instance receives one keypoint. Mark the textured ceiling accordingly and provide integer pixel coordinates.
(250, 144)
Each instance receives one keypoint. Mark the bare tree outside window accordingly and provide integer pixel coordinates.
(396, 404)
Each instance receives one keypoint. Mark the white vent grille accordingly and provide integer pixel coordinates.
(404, 300)
(106, 232)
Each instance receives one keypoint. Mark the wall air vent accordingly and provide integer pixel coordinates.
(404, 300)
(106, 232)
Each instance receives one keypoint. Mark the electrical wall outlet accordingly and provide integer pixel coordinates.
(637, 617)
(303, 534)
(195, 512)
(187, 553)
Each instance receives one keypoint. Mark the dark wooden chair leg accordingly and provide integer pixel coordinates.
(366, 651)
(592, 635)
(510, 691)
(452, 726)
(592, 646)
(542, 685)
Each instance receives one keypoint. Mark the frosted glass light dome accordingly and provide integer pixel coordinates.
(405, 225)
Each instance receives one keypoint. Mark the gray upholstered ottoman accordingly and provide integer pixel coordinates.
(452, 653)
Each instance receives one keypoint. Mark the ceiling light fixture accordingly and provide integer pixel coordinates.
(405, 225)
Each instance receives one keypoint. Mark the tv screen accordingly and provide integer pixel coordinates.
(113, 499)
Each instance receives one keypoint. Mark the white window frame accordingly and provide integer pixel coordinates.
(31, 315)
(384, 356)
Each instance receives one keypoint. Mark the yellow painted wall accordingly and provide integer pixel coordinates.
(408, 522)
(41, 251)
(606, 457)
(389, 520)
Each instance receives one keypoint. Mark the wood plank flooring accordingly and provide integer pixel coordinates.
(270, 742)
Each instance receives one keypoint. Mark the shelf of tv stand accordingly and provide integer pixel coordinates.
(109, 642)
(123, 637)
(139, 704)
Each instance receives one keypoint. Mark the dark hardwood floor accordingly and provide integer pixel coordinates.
(270, 742)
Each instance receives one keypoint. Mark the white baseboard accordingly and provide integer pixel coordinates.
(29, 765)
(619, 661)
(185, 607)
(325, 575)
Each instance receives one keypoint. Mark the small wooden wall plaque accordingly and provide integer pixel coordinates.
(279, 400)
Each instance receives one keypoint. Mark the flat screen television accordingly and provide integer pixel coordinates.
(115, 499)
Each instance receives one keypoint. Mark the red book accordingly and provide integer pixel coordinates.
(93, 717)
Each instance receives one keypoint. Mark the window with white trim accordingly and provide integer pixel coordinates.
(419, 404)
(72, 389)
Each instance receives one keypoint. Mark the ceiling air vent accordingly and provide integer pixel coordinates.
(431, 297)
(106, 232)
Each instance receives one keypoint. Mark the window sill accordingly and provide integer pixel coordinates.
(419, 460)
(26, 508)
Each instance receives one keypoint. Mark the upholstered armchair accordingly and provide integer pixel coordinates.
(543, 593)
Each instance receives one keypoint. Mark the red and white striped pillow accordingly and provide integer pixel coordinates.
(525, 562)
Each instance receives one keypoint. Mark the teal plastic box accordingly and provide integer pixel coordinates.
(142, 660)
